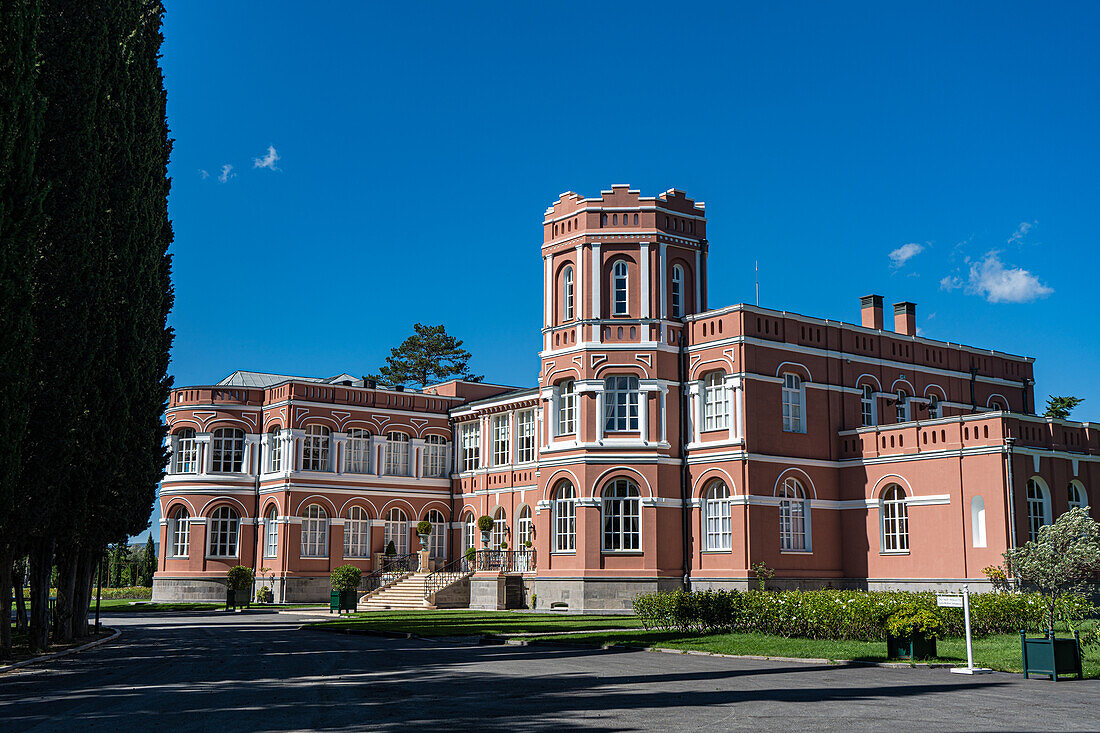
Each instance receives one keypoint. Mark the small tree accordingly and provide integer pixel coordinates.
(763, 574)
(1061, 407)
(149, 563)
(239, 577)
(429, 355)
(423, 527)
(346, 577)
(391, 549)
(1061, 561)
(485, 523)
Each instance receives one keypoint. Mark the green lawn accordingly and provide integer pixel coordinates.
(129, 605)
(474, 623)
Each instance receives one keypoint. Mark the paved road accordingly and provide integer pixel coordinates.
(257, 672)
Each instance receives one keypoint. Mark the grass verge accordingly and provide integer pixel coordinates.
(473, 623)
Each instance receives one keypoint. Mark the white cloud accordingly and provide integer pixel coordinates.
(226, 174)
(1021, 232)
(999, 284)
(268, 161)
(951, 282)
(203, 174)
(904, 253)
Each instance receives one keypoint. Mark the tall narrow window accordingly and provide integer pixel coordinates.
(1038, 508)
(1076, 498)
(715, 402)
(716, 517)
(357, 533)
(792, 403)
(315, 448)
(223, 532)
(977, 521)
(565, 518)
(471, 445)
(275, 449)
(397, 531)
(502, 442)
(567, 293)
(315, 532)
(437, 540)
(397, 454)
(228, 445)
(500, 528)
(621, 404)
(435, 456)
(618, 288)
(902, 406)
(867, 406)
(793, 517)
(525, 436)
(933, 407)
(469, 532)
(621, 506)
(525, 528)
(895, 520)
(271, 532)
(358, 451)
(567, 407)
(179, 528)
(677, 291)
(187, 451)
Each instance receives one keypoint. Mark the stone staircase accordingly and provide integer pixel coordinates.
(407, 593)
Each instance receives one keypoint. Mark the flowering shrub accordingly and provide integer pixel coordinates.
(912, 618)
(138, 592)
(834, 614)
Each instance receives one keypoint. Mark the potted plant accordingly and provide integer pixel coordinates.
(911, 632)
(1058, 564)
(527, 544)
(504, 544)
(485, 524)
(345, 585)
(471, 556)
(266, 593)
(238, 587)
(423, 530)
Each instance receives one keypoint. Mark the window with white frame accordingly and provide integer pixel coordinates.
(715, 402)
(469, 532)
(397, 454)
(895, 520)
(677, 291)
(437, 540)
(902, 405)
(223, 527)
(621, 507)
(794, 517)
(525, 436)
(315, 532)
(435, 456)
(397, 531)
(792, 403)
(620, 404)
(1075, 496)
(525, 528)
(1038, 508)
(567, 293)
(502, 439)
(271, 532)
(933, 407)
(565, 518)
(716, 517)
(187, 452)
(228, 450)
(567, 407)
(500, 528)
(357, 459)
(867, 406)
(618, 288)
(977, 521)
(275, 449)
(357, 533)
(315, 448)
(470, 434)
(179, 532)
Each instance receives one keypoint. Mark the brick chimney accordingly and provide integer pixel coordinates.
(905, 318)
(870, 308)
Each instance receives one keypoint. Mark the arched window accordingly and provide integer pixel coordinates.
(716, 517)
(1038, 507)
(500, 528)
(275, 449)
(223, 532)
(179, 532)
(358, 451)
(902, 406)
(565, 518)
(357, 533)
(567, 407)
(794, 517)
(620, 404)
(525, 528)
(271, 532)
(315, 532)
(187, 452)
(567, 293)
(792, 403)
(437, 540)
(977, 521)
(677, 291)
(315, 448)
(621, 506)
(435, 456)
(933, 407)
(228, 446)
(1075, 495)
(397, 531)
(867, 406)
(715, 402)
(397, 454)
(618, 288)
(469, 532)
(895, 520)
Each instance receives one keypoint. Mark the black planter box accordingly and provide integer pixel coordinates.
(1052, 657)
(917, 646)
(343, 600)
(237, 598)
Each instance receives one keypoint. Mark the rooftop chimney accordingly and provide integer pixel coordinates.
(905, 318)
(870, 307)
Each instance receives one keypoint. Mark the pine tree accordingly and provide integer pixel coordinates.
(430, 355)
(1060, 407)
(149, 563)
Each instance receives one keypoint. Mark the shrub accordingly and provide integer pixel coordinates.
(911, 618)
(391, 549)
(136, 592)
(503, 545)
(471, 554)
(423, 527)
(527, 543)
(264, 594)
(763, 574)
(239, 577)
(346, 577)
(485, 523)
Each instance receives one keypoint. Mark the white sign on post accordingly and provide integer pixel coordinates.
(963, 601)
(949, 601)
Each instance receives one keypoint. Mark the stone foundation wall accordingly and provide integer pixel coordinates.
(175, 590)
(595, 594)
(456, 595)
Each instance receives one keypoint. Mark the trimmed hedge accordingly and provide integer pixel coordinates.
(136, 592)
(833, 614)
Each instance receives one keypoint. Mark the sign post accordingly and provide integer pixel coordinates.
(956, 601)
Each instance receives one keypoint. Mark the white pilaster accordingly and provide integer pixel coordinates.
(547, 292)
(697, 282)
(643, 414)
(599, 413)
(206, 455)
(338, 459)
(645, 281)
(662, 268)
(595, 275)
(578, 287)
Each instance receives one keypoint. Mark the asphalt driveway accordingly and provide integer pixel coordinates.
(255, 672)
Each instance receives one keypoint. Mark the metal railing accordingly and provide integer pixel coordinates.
(450, 573)
(392, 568)
(505, 561)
